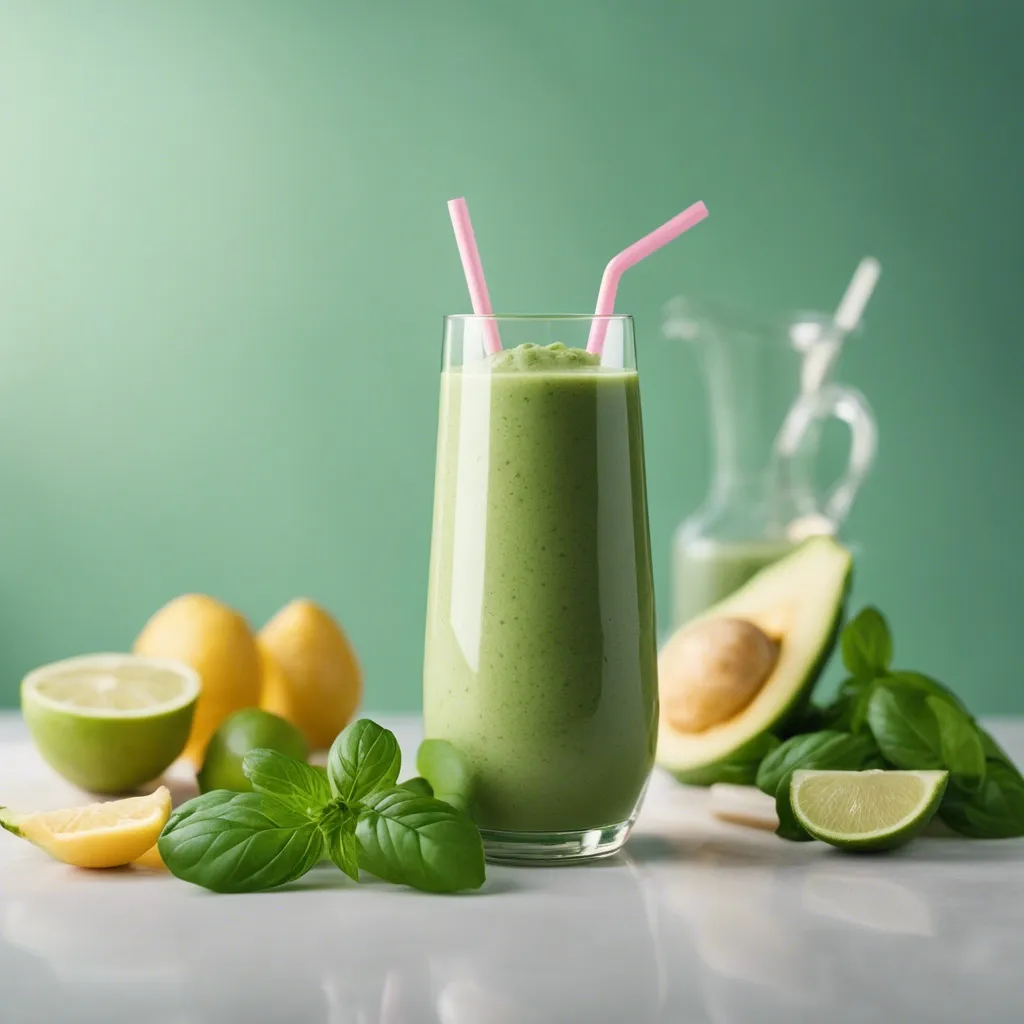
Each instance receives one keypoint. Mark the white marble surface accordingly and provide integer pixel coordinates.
(697, 922)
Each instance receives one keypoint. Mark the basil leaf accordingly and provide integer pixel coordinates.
(418, 785)
(809, 718)
(838, 716)
(445, 767)
(820, 750)
(205, 804)
(419, 841)
(364, 758)
(339, 828)
(739, 768)
(905, 728)
(962, 752)
(861, 703)
(995, 753)
(920, 683)
(421, 787)
(848, 713)
(789, 827)
(292, 781)
(851, 688)
(994, 811)
(245, 843)
(454, 800)
(867, 644)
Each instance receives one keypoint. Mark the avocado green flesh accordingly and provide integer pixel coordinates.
(798, 600)
(739, 768)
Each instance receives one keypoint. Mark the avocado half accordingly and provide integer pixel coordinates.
(799, 602)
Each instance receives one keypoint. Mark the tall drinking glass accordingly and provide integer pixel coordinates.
(540, 642)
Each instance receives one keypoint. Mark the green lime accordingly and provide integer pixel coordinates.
(239, 733)
(110, 722)
(872, 810)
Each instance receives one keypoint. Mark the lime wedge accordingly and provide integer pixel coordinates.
(872, 810)
(110, 722)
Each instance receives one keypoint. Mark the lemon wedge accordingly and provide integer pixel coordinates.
(103, 835)
(151, 859)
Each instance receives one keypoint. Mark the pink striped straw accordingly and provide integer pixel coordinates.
(474, 271)
(618, 265)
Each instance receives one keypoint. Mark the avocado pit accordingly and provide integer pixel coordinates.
(711, 670)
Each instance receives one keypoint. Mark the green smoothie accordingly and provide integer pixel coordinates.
(705, 571)
(540, 647)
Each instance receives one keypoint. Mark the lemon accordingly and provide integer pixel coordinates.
(239, 733)
(869, 810)
(106, 835)
(318, 682)
(151, 859)
(110, 722)
(217, 642)
(273, 683)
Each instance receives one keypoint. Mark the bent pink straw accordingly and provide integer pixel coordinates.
(474, 271)
(618, 265)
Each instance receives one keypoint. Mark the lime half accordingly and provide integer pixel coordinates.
(110, 722)
(872, 810)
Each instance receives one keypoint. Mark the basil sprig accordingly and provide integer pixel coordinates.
(920, 724)
(355, 814)
(884, 717)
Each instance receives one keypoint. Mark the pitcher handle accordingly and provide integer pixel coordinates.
(800, 438)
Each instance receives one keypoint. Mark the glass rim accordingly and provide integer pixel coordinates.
(539, 316)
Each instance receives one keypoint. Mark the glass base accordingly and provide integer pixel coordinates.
(540, 848)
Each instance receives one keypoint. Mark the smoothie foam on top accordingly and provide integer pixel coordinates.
(552, 358)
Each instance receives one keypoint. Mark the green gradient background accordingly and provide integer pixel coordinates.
(225, 254)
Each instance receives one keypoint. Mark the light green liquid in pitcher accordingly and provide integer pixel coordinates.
(705, 571)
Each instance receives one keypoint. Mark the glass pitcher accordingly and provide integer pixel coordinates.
(769, 397)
